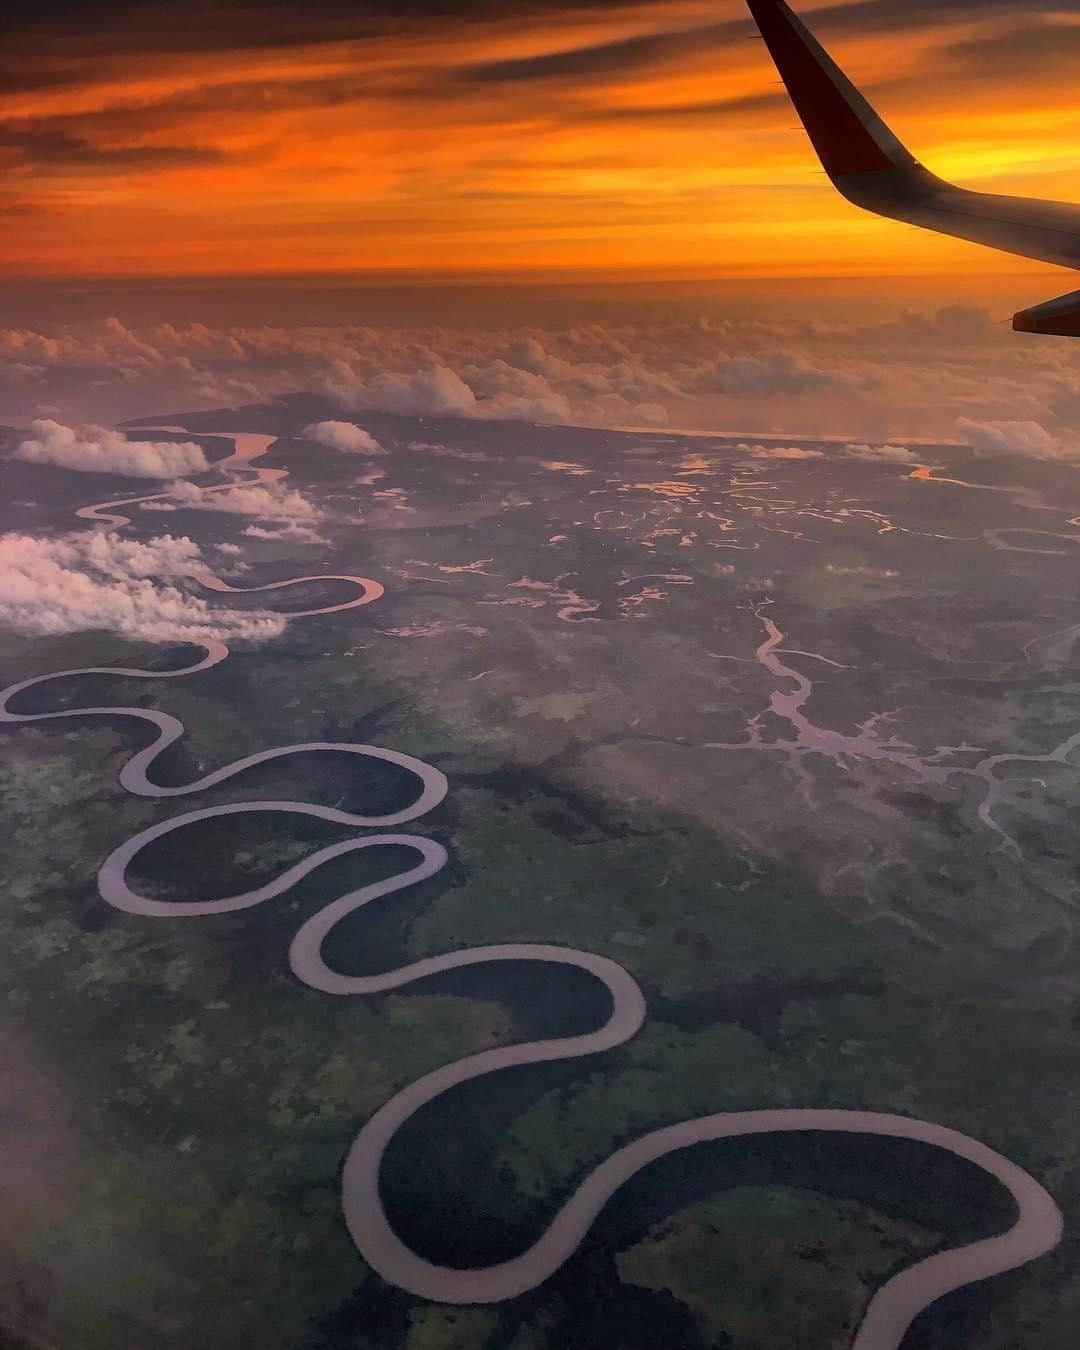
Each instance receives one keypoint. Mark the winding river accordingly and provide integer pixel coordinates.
(844, 748)
(1038, 1225)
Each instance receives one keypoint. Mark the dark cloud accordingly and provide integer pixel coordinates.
(713, 110)
(1035, 47)
(222, 25)
(31, 79)
(669, 46)
(780, 374)
(888, 16)
(13, 208)
(602, 58)
(45, 43)
(59, 149)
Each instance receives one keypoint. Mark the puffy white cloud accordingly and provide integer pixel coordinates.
(91, 449)
(890, 454)
(268, 501)
(523, 395)
(1009, 438)
(345, 436)
(528, 353)
(232, 559)
(297, 533)
(435, 391)
(112, 555)
(89, 581)
(494, 390)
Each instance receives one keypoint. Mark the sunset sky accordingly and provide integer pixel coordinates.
(456, 138)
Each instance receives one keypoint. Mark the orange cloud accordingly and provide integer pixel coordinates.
(634, 138)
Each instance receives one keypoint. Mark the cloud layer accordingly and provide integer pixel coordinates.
(211, 137)
(946, 373)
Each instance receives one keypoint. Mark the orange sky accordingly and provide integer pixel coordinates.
(455, 146)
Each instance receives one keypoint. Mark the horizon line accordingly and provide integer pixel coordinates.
(561, 276)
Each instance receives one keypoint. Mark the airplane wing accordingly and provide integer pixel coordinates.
(872, 168)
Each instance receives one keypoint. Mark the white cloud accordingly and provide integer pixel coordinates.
(267, 501)
(369, 478)
(232, 563)
(1003, 438)
(88, 581)
(494, 391)
(91, 449)
(436, 391)
(300, 534)
(506, 391)
(890, 454)
(112, 555)
(345, 436)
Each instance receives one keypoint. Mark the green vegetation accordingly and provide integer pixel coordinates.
(755, 1259)
(212, 1102)
(437, 1328)
(852, 937)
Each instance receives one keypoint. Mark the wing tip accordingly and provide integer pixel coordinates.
(846, 132)
(1053, 318)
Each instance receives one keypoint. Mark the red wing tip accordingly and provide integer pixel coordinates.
(1060, 321)
(758, 7)
(843, 128)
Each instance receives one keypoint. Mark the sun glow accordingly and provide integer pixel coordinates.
(637, 139)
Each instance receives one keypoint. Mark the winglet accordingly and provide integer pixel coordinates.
(848, 135)
(872, 169)
(1053, 318)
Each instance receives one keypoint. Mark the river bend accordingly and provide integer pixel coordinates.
(1038, 1225)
